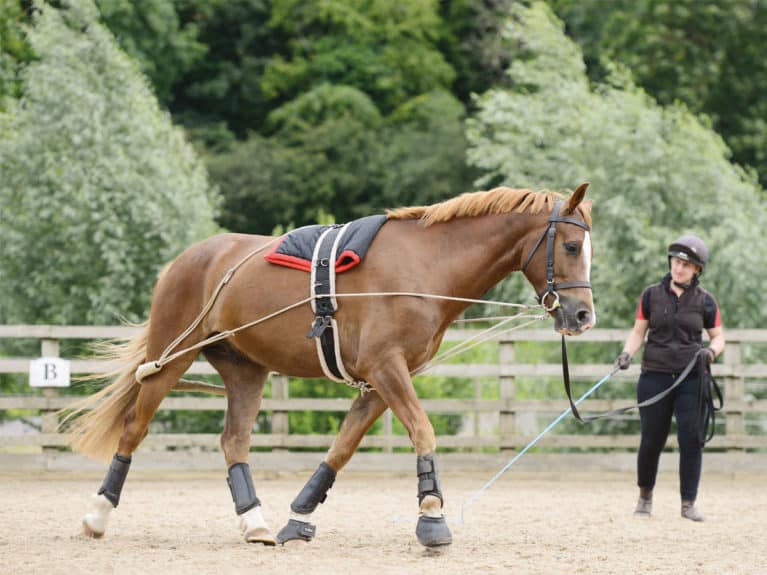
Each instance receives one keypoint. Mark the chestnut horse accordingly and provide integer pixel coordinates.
(459, 248)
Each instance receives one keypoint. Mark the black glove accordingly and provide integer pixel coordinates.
(624, 360)
(710, 356)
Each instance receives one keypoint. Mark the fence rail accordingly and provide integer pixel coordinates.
(513, 419)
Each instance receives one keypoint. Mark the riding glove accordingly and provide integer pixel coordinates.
(624, 360)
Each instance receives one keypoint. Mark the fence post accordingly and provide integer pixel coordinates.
(507, 391)
(734, 391)
(280, 421)
(49, 420)
(387, 430)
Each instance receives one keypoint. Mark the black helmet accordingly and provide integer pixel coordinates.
(689, 248)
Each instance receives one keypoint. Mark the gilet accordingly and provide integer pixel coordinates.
(676, 325)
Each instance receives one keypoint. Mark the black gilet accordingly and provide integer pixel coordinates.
(676, 325)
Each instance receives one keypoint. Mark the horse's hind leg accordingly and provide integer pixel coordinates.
(151, 393)
(364, 411)
(244, 382)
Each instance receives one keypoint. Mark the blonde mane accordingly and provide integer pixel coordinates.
(496, 201)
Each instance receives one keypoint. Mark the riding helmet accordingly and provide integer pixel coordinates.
(689, 248)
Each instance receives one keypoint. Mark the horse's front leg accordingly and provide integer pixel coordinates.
(244, 388)
(365, 409)
(392, 381)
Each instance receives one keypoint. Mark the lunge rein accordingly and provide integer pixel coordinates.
(706, 414)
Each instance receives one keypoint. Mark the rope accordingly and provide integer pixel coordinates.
(478, 339)
(225, 280)
(152, 367)
(505, 468)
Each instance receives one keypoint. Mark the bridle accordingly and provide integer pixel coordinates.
(550, 233)
(551, 288)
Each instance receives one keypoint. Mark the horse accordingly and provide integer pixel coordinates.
(457, 249)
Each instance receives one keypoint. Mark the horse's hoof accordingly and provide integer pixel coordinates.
(254, 529)
(433, 531)
(296, 530)
(260, 535)
(89, 531)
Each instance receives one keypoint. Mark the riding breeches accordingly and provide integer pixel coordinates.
(682, 403)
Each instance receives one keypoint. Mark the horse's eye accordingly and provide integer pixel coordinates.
(572, 248)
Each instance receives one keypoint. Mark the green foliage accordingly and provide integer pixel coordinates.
(150, 31)
(225, 85)
(474, 46)
(98, 189)
(422, 159)
(326, 141)
(386, 49)
(14, 49)
(655, 172)
(708, 55)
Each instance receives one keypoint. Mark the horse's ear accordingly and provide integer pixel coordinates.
(576, 198)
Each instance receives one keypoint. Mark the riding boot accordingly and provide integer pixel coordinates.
(644, 504)
(689, 511)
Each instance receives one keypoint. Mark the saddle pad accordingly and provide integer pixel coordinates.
(296, 249)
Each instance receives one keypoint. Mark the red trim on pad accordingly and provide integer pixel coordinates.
(347, 260)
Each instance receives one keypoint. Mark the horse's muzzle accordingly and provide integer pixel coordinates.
(573, 316)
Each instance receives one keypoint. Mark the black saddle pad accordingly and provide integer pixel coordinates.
(296, 249)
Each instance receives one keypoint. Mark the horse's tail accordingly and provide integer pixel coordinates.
(95, 423)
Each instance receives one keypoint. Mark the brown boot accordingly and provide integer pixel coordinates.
(689, 511)
(644, 505)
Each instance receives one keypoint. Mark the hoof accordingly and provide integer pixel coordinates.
(89, 531)
(253, 527)
(296, 530)
(260, 535)
(95, 521)
(433, 531)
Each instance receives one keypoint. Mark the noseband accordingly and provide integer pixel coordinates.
(550, 233)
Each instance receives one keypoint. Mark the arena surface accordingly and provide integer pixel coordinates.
(184, 523)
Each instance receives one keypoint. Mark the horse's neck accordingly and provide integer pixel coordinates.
(483, 250)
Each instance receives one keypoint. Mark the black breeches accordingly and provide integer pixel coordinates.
(682, 403)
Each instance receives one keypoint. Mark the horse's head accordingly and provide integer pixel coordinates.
(558, 264)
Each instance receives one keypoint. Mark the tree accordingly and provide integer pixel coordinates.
(708, 55)
(388, 50)
(14, 50)
(655, 172)
(152, 33)
(423, 152)
(473, 45)
(98, 188)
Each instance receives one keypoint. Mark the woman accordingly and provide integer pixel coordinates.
(673, 315)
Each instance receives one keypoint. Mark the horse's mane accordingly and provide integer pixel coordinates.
(496, 201)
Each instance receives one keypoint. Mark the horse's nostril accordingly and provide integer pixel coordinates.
(583, 316)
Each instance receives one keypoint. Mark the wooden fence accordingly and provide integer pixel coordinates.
(512, 421)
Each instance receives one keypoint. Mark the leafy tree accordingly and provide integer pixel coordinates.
(14, 50)
(473, 45)
(656, 172)
(151, 32)
(389, 50)
(225, 85)
(423, 152)
(98, 189)
(327, 143)
(708, 55)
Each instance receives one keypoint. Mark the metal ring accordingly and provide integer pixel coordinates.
(556, 303)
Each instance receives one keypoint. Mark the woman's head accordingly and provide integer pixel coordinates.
(687, 258)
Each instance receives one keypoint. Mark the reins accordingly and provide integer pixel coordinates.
(705, 421)
(699, 357)
(469, 502)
